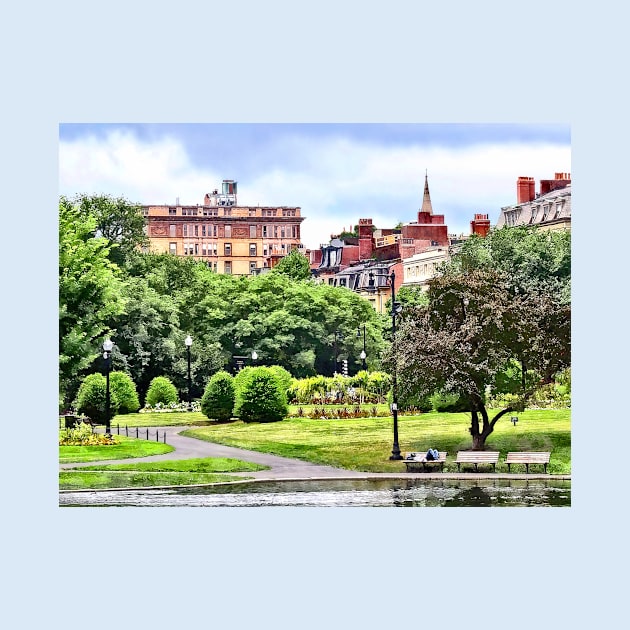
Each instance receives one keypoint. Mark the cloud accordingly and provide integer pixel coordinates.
(335, 179)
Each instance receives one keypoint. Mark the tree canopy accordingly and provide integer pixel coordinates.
(484, 316)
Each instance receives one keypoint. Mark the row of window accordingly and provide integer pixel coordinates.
(512, 217)
(227, 212)
(211, 249)
(268, 231)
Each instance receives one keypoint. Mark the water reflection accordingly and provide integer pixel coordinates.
(341, 493)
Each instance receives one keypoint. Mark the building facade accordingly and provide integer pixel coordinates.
(549, 209)
(231, 239)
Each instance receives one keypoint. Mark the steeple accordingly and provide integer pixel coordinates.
(426, 199)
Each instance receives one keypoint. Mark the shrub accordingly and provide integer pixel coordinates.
(92, 399)
(126, 393)
(217, 401)
(283, 376)
(161, 390)
(260, 397)
(81, 435)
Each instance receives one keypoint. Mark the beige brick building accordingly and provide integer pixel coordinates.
(232, 239)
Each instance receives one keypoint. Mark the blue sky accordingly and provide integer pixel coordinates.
(337, 173)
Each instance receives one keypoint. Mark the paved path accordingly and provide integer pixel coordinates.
(284, 467)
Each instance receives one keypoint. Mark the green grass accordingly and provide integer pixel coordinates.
(365, 444)
(147, 474)
(127, 447)
(159, 419)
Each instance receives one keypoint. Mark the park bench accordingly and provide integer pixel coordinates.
(477, 457)
(413, 461)
(527, 459)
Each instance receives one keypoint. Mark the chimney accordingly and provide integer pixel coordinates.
(480, 225)
(365, 238)
(525, 189)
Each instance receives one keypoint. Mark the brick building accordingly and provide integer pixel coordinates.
(549, 209)
(231, 239)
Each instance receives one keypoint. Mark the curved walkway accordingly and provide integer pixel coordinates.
(284, 467)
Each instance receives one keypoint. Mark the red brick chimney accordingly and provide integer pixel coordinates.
(365, 239)
(559, 181)
(480, 225)
(525, 189)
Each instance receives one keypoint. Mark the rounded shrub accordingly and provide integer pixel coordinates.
(126, 393)
(217, 401)
(284, 377)
(161, 390)
(260, 397)
(92, 399)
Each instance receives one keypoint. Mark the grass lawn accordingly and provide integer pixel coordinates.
(125, 447)
(365, 444)
(146, 474)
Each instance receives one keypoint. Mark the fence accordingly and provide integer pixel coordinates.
(140, 434)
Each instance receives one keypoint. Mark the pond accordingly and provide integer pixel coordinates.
(341, 493)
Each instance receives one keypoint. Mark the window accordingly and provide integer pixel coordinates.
(546, 209)
(227, 249)
(275, 231)
(185, 229)
(252, 249)
(196, 230)
(210, 212)
(227, 266)
(264, 231)
(252, 266)
(252, 212)
(172, 211)
(282, 232)
(252, 231)
(196, 249)
(227, 212)
(203, 230)
(228, 231)
(172, 230)
(172, 248)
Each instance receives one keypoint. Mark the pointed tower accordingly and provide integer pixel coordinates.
(426, 199)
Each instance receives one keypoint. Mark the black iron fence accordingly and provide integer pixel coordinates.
(141, 433)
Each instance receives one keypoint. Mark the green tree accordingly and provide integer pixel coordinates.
(458, 348)
(217, 401)
(92, 399)
(295, 265)
(161, 390)
(117, 220)
(90, 294)
(125, 391)
(261, 398)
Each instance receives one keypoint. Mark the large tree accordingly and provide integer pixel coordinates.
(474, 327)
(117, 220)
(90, 293)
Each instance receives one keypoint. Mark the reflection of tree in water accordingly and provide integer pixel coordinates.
(470, 497)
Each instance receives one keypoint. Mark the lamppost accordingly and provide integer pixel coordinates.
(107, 353)
(254, 355)
(338, 337)
(363, 354)
(188, 342)
(396, 310)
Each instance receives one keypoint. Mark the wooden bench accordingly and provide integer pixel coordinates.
(527, 458)
(477, 457)
(414, 460)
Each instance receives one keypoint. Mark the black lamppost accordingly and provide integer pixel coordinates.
(338, 337)
(363, 354)
(107, 354)
(396, 309)
(188, 342)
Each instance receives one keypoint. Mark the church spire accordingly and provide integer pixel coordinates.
(426, 199)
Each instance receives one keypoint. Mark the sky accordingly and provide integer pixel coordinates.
(336, 173)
